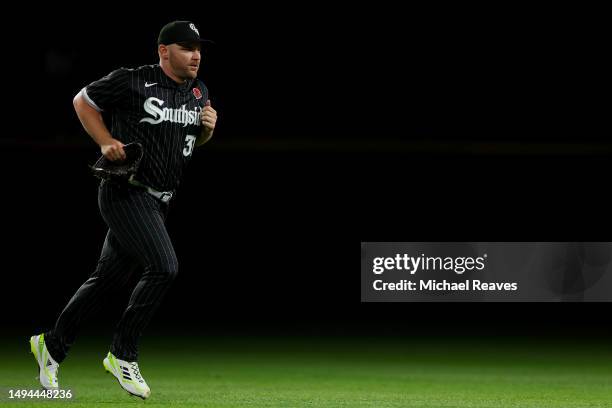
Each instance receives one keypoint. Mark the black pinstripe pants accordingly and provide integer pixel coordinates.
(136, 239)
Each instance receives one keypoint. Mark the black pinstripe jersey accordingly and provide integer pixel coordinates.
(145, 105)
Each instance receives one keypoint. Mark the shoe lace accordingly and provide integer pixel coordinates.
(136, 370)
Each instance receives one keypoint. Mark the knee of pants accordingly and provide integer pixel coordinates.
(166, 269)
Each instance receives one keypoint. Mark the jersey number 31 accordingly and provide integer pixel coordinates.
(189, 144)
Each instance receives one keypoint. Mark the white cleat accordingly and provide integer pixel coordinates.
(48, 366)
(128, 375)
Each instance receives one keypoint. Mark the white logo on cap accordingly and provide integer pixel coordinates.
(193, 27)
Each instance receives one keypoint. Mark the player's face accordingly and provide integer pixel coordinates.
(184, 60)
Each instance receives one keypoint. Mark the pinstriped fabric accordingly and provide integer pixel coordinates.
(157, 257)
(109, 92)
(137, 239)
(156, 276)
(122, 95)
(114, 268)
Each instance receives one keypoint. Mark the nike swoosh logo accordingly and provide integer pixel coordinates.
(148, 84)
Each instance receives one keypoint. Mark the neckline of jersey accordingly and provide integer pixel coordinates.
(169, 82)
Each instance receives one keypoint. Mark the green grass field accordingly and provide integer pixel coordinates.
(334, 372)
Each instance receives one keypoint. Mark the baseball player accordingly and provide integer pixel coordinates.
(166, 109)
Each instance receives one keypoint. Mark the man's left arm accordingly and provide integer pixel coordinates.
(208, 120)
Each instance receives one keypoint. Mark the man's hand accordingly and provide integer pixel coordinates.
(208, 116)
(113, 150)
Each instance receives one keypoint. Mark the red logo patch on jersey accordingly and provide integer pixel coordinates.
(197, 93)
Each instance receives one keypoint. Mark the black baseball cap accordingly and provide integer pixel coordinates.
(179, 32)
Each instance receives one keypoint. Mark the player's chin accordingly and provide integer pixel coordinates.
(192, 71)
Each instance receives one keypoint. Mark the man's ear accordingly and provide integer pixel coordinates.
(162, 50)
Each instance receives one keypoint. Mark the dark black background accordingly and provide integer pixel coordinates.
(320, 112)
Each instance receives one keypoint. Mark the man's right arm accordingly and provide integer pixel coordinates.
(94, 125)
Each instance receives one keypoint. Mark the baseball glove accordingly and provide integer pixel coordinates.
(119, 170)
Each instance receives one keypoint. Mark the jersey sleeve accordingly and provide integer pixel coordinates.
(108, 92)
